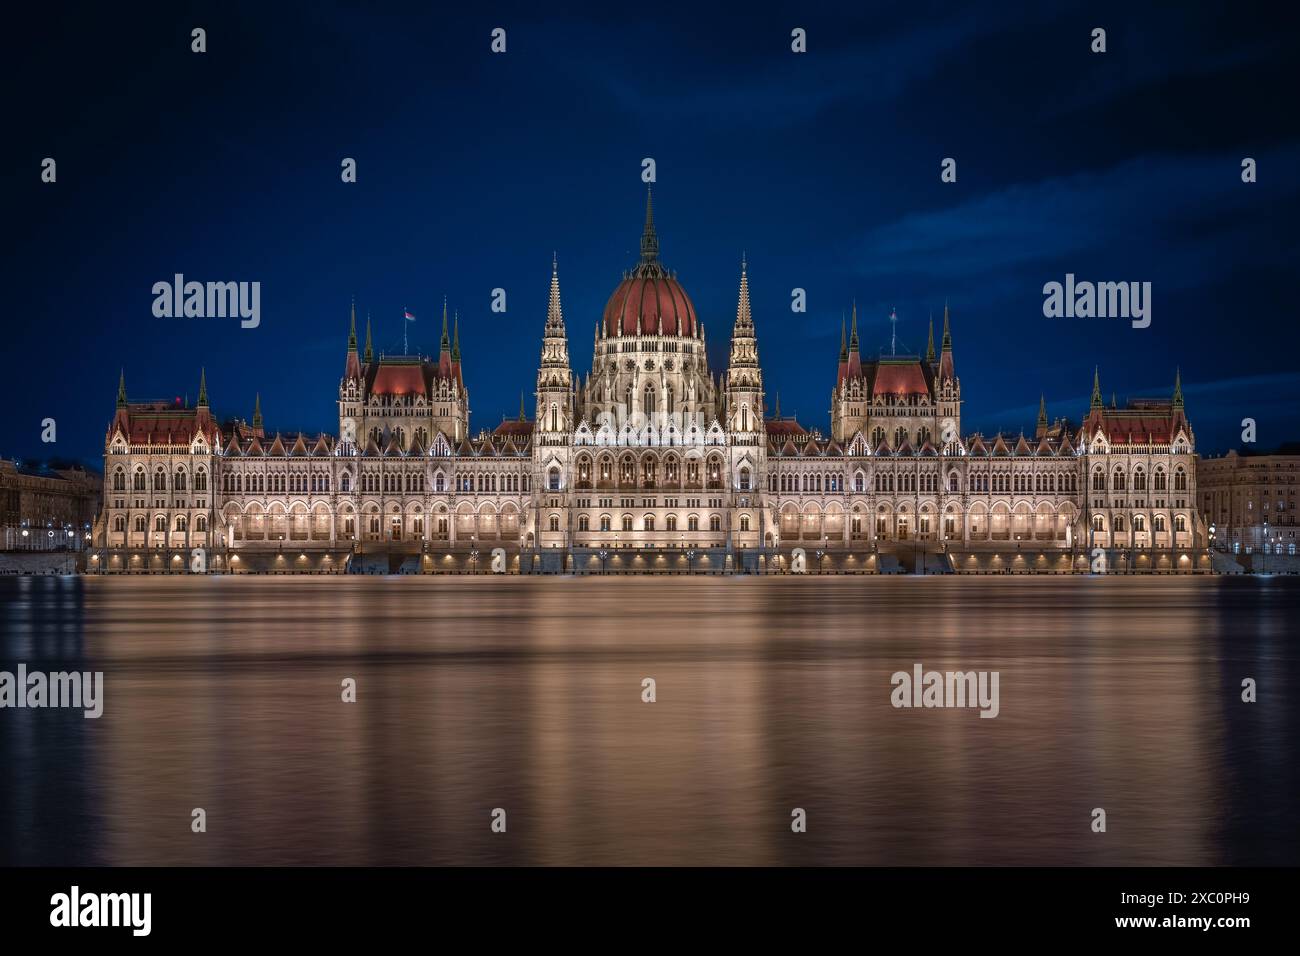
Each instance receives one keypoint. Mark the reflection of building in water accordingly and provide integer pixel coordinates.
(649, 453)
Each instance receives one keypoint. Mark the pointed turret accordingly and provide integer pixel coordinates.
(1178, 388)
(121, 389)
(455, 339)
(257, 411)
(203, 388)
(947, 372)
(370, 352)
(352, 367)
(523, 417)
(1096, 387)
(844, 339)
(445, 344)
(929, 345)
(744, 378)
(554, 377)
(1042, 416)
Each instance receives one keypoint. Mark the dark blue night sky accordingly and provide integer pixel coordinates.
(823, 168)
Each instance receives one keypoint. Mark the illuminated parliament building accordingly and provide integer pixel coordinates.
(651, 462)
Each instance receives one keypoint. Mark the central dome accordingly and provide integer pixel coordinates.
(657, 305)
(650, 300)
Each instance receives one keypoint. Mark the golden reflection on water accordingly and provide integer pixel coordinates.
(772, 693)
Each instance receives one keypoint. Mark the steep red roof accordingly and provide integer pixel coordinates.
(1143, 421)
(513, 428)
(900, 378)
(404, 379)
(164, 423)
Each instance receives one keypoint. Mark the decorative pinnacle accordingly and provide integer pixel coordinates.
(203, 388)
(121, 389)
(649, 240)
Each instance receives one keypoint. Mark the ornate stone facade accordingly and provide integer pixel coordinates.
(650, 462)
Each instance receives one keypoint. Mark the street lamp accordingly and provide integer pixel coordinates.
(473, 556)
(603, 555)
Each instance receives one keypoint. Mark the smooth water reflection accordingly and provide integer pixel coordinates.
(773, 693)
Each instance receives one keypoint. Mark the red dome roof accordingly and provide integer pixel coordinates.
(644, 300)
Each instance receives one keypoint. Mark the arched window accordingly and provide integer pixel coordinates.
(627, 522)
(744, 522)
(553, 479)
(715, 522)
(137, 481)
(201, 523)
(1180, 481)
(555, 522)
(648, 522)
(671, 522)
(744, 479)
(119, 480)
(584, 523)
(604, 523)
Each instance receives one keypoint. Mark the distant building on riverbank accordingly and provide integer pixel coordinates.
(1250, 500)
(46, 508)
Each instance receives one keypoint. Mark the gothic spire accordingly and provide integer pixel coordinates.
(370, 352)
(522, 416)
(352, 331)
(777, 413)
(121, 389)
(844, 341)
(947, 334)
(257, 410)
(744, 316)
(1096, 387)
(446, 342)
(1042, 411)
(1178, 388)
(649, 240)
(853, 335)
(203, 388)
(554, 313)
(929, 347)
(455, 341)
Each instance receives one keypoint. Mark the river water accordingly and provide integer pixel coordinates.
(771, 694)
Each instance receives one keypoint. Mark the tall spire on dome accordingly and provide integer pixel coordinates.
(1096, 387)
(649, 240)
(947, 334)
(853, 335)
(352, 329)
(121, 389)
(203, 388)
(445, 345)
(1178, 388)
